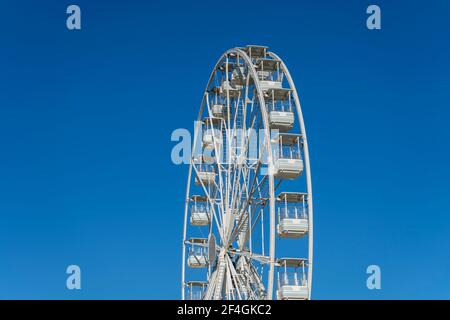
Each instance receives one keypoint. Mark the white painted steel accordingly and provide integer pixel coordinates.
(240, 189)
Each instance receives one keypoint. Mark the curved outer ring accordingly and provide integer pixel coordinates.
(307, 169)
(261, 100)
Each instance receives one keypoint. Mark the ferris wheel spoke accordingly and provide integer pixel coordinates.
(249, 198)
(242, 167)
(243, 206)
(244, 218)
(242, 210)
(231, 271)
(250, 278)
(242, 145)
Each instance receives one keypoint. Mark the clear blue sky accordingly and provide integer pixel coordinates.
(86, 117)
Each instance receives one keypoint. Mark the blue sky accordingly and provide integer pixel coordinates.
(86, 117)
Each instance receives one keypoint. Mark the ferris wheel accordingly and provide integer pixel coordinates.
(248, 220)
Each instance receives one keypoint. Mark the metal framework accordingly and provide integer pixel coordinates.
(249, 163)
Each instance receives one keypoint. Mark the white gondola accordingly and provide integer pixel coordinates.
(256, 51)
(268, 71)
(270, 65)
(218, 107)
(278, 93)
(238, 73)
(269, 84)
(205, 177)
(292, 215)
(198, 253)
(279, 105)
(219, 110)
(200, 211)
(281, 120)
(212, 133)
(233, 90)
(196, 289)
(292, 281)
(288, 163)
(239, 77)
(205, 172)
(269, 75)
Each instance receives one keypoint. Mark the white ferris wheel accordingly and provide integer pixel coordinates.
(248, 220)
